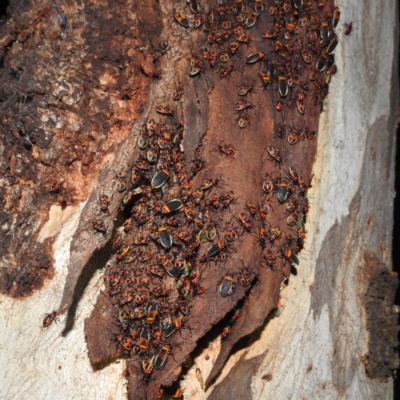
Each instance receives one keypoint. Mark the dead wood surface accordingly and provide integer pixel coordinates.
(103, 59)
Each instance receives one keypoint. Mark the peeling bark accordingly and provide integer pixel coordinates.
(75, 91)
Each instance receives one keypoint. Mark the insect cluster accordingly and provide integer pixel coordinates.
(301, 34)
(172, 231)
(155, 276)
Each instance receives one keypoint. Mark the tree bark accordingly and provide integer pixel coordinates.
(76, 84)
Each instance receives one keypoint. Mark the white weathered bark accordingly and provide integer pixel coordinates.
(315, 348)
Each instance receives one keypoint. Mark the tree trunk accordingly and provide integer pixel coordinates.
(78, 84)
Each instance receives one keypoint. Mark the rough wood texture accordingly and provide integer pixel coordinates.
(320, 344)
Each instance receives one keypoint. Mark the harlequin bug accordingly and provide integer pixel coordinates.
(243, 121)
(228, 150)
(245, 89)
(245, 276)
(251, 20)
(335, 17)
(274, 233)
(114, 291)
(225, 71)
(349, 28)
(275, 153)
(225, 332)
(171, 206)
(165, 237)
(100, 226)
(283, 88)
(268, 183)
(226, 285)
(177, 92)
(49, 318)
(290, 256)
(165, 110)
(242, 105)
(252, 208)
(173, 328)
(181, 20)
(253, 58)
(230, 232)
(270, 259)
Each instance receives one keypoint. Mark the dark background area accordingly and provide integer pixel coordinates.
(396, 229)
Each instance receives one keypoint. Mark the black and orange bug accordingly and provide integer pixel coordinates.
(165, 237)
(215, 201)
(170, 269)
(215, 249)
(139, 240)
(235, 316)
(99, 226)
(104, 202)
(194, 6)
(255, 57)
(157, 271)
(243, 121)
(126, 298)
(292, 219)
(290, 256)
(197, 196)
(114, 291)
(230, 232)
(307, 56)
(274, 233)
(233, 47)
(273, 10)
(130, 277)
(225, 71)
(245, 221)
(291, 205)
(332, 45)
(243, 38)
(228, 150)
(242, 105)
(226, 285)
(226, 24)
(159, 291)
(270, 35)
(238, 7)
(224, 56)
(171, 206)
(270, 259)
(252, 208)
(335, 17)
(268, 183)
(177, 92)
(244, 276)
(321, 63)
(283, 88)
(197, 20)
(275, 153)
(161, 357)
(181, 20)
(173, 328)
(245, 89)
(120, 182)
(283, 191)
(116, 276)
(258, 6)
(49, 318)
(349, 28)
(324, 31)
(159, 179)
(165, 109)
(228, 198)
(225, 332)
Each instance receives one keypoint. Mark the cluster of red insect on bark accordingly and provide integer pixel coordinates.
(155, 275)
(160, 250)
(302, 34)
